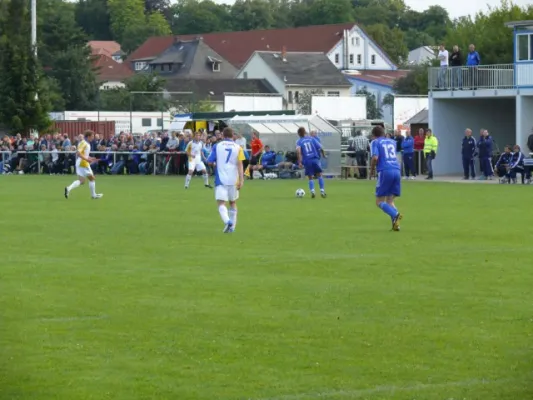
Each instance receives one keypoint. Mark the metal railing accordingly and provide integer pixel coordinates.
(499, 76)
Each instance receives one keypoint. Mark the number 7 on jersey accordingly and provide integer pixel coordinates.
(229, 155)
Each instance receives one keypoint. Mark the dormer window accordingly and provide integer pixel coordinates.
(216, 67)
(215, 63)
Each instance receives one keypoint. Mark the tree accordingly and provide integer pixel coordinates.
(122, 99)
(435, 22)
(415, 39)
(330, 12)
(391, 40)
(415, 82)
(24, 104)
(305, 100)
(372, 109)
(160, 6)
(247, 15)
(125, 14)
(64, 53)
(93, 17)
(193, 16)
(493, 40)
(135, 35)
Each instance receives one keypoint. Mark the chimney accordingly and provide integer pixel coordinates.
(284, 53)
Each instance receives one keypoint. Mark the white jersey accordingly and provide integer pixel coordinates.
(195, 151)
(227, 155)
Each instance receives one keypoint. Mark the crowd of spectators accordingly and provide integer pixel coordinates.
(121, 154)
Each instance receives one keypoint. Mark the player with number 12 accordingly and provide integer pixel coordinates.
(388, 186)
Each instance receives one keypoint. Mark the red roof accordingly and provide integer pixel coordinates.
(106, 47)
(237, 47)
(381, 77)
(110, 70)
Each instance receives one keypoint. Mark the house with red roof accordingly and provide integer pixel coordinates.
(347, 45)
(107, 63)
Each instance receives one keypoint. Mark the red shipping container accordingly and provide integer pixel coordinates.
(105, 129)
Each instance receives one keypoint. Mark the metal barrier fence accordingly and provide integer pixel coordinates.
(161, 163)
(499, 76)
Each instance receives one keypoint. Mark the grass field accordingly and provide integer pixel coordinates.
(140, 296)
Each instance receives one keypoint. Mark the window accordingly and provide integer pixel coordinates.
(523, 46)
(245, 75)
(296, 95)
(336, 58)
(373, 59)
(140, 65)
(146, 122)
(106, 87)
(357, 41)
(334, 94)
(290, 96)
(359, 59)
(216, 67)
(353, 41)
(351, 58)
(160, 122)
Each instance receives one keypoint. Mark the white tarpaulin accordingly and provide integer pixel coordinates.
(252, 103)
(339, 108)
(179, 121)
(406, 107)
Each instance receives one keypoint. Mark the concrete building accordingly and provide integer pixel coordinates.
(421, 55)
(498, 98)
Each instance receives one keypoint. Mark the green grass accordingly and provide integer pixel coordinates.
(140, 295)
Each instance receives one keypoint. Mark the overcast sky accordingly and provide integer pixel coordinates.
(456, 8)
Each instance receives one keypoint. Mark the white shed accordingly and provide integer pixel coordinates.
(279, 132)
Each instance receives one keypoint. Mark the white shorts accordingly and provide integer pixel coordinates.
(226, 193)
(84, 171)
(198, 165)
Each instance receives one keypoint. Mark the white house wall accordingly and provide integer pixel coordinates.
(343, 92)
(256, 68)
(358, 44)
(449, 118)
(380, 92)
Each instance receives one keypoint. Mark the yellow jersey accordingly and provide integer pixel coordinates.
(84, 148)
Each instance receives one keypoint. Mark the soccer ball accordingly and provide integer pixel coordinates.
(300, 193)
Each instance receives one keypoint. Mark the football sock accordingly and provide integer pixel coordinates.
(233, 216)
(312, 185)
(321, 183)
(388, 209)
(223, 211)
(187, 180)
(74, 185)
(206, 179)
(92, 187)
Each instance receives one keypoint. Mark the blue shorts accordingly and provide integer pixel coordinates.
(312, 167)
(389, 183)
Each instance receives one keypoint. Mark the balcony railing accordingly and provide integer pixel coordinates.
(499, 76)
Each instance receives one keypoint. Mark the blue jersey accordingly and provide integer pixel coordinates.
(310, 148)
(385, 150)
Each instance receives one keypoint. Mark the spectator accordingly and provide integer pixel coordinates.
(360, 146)
(268, 161)
(398, 138)
(431, 145)
(314, 135)
(530, 142)
(472, 61)
(420, 139)
(468, 153)
(66, 142)
(485, 145)
(503, 164)
(517, 166)
(456, 62)
(257, 149)
(408, 150)
(444, 59)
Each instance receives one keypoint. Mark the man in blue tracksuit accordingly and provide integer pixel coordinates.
(504, 164)
(468, 152)
(517, 166)
(408, 151)
(485, 155)
(472, 62)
